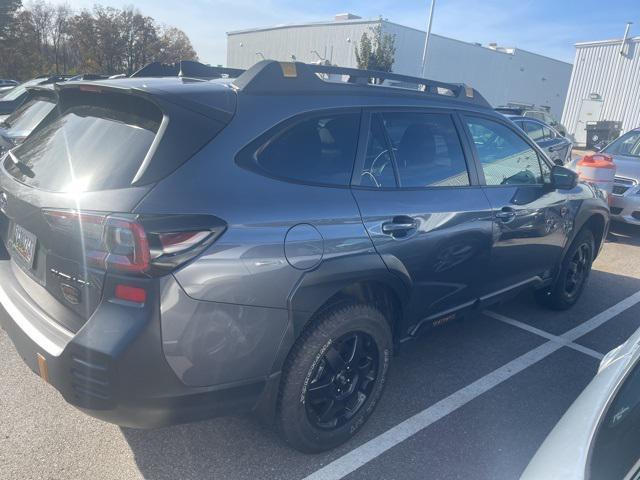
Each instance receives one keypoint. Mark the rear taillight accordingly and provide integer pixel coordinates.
(133, 244)
(131, 294)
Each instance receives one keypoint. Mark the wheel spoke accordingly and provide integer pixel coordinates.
(327, 412)
(366, 366)
(334, 407)
(320, 392)
(356, 352)
(335, 360)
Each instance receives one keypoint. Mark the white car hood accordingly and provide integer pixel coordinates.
(627, 167)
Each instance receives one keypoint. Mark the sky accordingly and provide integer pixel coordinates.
(548, 27)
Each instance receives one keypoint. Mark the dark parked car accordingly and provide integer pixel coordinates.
(556, 146)
(6, 85)
(536, 113)
(14, 98)
(39, 105)
(178, 249)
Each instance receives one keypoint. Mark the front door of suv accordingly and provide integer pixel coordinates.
(531, 220)
(423, 208)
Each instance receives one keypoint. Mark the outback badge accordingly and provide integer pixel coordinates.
(70, 293)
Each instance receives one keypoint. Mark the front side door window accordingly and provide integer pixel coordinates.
(505, 157)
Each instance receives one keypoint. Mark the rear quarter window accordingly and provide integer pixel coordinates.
(318, 149)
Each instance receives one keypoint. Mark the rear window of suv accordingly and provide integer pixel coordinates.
(92, 146)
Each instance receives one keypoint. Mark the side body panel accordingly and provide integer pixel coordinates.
(445, 258)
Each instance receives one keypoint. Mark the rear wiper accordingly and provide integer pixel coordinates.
(23, 167)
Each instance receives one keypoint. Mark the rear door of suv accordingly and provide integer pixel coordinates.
(422, 205)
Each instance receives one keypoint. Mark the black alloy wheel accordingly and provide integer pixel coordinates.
(342, 381)
(578, 269)
(572, 275)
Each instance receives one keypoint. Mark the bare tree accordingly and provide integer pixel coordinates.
(46, 36)
(175, 46)
(141, 39)
(42, 15)
(58, 31)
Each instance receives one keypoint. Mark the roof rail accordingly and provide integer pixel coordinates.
(186, 68)
(270, 76)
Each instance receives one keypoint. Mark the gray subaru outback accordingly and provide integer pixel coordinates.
(175, 249)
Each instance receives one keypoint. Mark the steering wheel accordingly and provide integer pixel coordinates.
(376, 171)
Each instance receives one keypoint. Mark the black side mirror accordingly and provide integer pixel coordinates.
(563, 178)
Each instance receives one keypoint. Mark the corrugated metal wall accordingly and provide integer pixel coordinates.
(500, 77)
(334, 42)
(600, 69)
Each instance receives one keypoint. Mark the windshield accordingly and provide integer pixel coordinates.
(21, 122)
(627, 144)
(20, 89)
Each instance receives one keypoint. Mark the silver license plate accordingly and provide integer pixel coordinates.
(23, 243)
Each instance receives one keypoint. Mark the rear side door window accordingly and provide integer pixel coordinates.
(506, 158)
(317, 150)
(420, 150)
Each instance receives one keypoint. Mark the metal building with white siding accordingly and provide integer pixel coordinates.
(502, 75)
(605, 85)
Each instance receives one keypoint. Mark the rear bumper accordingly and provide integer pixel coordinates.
(626, 208)
(114, 367)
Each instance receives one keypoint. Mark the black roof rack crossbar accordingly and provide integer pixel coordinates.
(272, 76)
(188, 69)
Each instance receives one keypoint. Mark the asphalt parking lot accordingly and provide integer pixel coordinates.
(471, 399)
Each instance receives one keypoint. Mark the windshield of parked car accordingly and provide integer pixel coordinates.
(21, 122)
(627, 144)
(20, 89)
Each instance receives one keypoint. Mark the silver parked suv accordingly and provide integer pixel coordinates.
(178, 248)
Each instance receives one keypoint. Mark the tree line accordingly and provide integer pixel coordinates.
(42, 38)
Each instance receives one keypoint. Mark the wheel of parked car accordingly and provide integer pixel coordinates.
(574, 272)
(334, 377)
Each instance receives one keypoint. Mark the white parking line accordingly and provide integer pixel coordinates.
(375, 447)
(541, 333)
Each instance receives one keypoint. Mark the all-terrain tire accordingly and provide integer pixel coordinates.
(573, 275)
(313, 357)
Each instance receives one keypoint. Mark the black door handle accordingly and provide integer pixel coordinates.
(399, 225)
(506, 214)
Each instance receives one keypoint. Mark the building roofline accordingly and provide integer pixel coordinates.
(306, 24)
(378, 20)
(606, 42)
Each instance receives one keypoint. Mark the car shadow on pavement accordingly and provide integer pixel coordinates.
(624, 233)
(241, 447)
